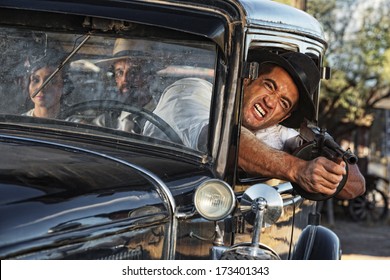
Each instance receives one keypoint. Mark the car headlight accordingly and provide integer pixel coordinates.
(214, 200)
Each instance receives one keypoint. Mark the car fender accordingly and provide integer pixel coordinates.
(317, 243)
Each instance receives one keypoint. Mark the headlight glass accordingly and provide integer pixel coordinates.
(214, 200)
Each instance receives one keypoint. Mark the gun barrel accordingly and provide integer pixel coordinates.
(350, 157)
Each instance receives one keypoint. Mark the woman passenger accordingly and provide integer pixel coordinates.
(47, 102)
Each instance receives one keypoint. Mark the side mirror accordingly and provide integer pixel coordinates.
(261, 206)
(263, 194)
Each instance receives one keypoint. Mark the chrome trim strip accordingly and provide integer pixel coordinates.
(284, 188)
(166, 193)
(292, 200)
(287, 188)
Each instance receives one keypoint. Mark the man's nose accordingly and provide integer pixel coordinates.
(135, 78)
(271, 100)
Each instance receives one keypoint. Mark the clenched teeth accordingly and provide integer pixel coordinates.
(260, 110)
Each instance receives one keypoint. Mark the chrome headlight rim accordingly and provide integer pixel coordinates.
(210, 185)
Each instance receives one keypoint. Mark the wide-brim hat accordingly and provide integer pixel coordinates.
(127, 49)
(304, 73)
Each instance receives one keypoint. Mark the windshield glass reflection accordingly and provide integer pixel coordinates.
(113, 83)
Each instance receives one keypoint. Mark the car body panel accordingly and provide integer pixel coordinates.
(51, 186)
(74, 190)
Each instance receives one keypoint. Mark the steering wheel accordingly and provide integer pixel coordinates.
(113, 105)
(309, 151)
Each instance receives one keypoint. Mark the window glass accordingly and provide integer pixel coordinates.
(108, 84)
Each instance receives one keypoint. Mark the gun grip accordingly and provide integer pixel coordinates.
(309, 151)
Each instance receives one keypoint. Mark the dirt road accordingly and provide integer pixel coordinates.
(363, 241)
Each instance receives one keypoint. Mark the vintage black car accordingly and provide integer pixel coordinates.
(73, 187)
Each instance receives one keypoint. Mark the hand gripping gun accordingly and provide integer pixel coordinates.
(315, 142)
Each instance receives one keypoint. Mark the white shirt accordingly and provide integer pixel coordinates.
(185, 106)
(276, 136)
(29, 113)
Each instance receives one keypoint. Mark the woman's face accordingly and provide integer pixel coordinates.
(51, 94)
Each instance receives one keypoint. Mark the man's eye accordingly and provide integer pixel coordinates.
(285, 104)
(118, 74)
(268, 86)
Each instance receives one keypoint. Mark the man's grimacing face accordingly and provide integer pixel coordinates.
(269, 99)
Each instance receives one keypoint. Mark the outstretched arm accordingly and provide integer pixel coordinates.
(355, 185)
(318, 175)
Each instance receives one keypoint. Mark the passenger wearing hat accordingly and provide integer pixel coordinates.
(274, 103)
(128, 68)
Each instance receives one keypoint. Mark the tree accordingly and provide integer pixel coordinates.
(359, 47)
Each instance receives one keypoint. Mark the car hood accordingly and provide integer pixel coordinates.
(48, 189)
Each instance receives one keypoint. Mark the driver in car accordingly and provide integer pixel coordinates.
(131, 79)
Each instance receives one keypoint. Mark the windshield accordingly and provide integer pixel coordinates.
(120, 84)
